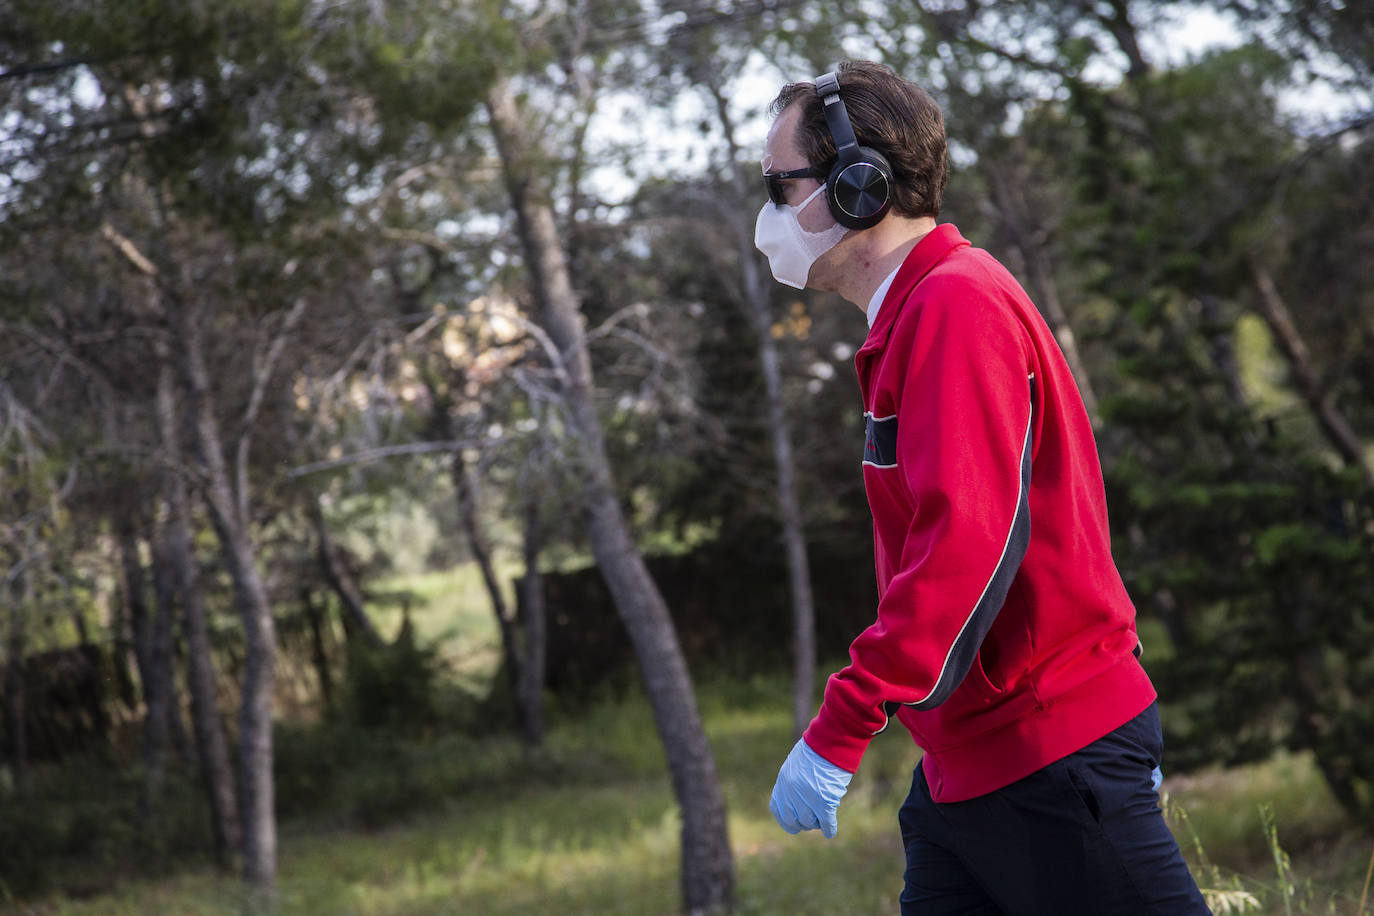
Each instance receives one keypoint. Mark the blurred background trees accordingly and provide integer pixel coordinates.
(280, 279)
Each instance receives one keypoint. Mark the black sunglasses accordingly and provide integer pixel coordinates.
(776, 192)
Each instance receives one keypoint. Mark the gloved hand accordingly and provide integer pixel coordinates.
(808, 791)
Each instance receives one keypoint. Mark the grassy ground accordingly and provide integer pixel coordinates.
(587, 825)
(444, 823)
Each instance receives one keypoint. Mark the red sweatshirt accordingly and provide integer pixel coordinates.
(1004, 639)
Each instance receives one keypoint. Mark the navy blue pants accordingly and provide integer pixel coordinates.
(1084, 835)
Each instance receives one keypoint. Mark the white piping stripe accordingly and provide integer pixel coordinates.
(868, 414)
(1020, 490)
(874, 464)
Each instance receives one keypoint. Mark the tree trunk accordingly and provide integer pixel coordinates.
(135, 591)
(789, 508)
(157, 678)
(530, 691)
(164, 646)
(465, 487)
(707, 867)
(319, 655)
(16, 714)
(1319, 399)
(1221, 347)
(217, 774)
(140, 622)
(1040, 277)
(340, 579)
(1118, 22)
(1017, 218)
(256, 800)
(758, 308)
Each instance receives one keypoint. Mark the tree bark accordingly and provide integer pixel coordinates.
(340, 579)
(157, 677)
(1017, 217)
(707, 866)
(531, 688)
(164, 646)
(1319, 399)
(789, 508)
(1118, 22)
(16, 713)
(1221, 347)
(155, 732)
(216, 771)
(319, 655)
(465, 487)
(757, 304)
(256, 797)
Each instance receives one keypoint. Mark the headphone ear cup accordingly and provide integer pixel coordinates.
(859, 188)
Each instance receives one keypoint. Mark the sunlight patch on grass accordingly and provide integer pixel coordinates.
(451, 610)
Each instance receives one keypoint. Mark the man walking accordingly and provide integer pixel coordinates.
(1004, 640)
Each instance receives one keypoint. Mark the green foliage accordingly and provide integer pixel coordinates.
(423, 62)
(1236, 529)
(335, 152)
(81, 820)
(392, 685)
(1263, 552)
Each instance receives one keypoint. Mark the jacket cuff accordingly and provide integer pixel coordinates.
(836, 744)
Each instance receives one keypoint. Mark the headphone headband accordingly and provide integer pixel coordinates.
(859, 186)
(836, 115)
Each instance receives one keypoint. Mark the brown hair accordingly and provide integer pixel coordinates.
(891, 114)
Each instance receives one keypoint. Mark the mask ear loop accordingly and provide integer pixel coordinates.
(812, 196)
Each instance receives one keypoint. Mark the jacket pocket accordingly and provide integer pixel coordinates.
(982, 680)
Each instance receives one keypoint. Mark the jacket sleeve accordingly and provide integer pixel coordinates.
(963, 458)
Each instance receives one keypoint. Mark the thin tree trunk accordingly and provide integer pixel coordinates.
(256, 798)
(318, 654)
(1040, 276)
(340, 579)
(707, 866)
(465, 487)
(92, 684)
(247, 827)
(164, 646)
(1221, 346)
(135, 590)
(212, 750)
(758, 308)
(157, 678)
(1017, 218)
(140, 622)
(1319, 399)
(789, 509)
(16, 712)
(531, 688)
(1118, 22)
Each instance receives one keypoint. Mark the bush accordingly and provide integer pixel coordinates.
(392, 685)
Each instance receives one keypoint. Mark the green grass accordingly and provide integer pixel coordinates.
(449, 823)
(588, 825)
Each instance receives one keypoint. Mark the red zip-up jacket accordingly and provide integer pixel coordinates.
(1004, 637)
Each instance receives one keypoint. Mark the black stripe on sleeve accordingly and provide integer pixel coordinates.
(980, 619)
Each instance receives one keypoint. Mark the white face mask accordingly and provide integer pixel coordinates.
(791, 250)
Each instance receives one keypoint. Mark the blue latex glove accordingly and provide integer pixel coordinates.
(808, 791)
(1156, 778)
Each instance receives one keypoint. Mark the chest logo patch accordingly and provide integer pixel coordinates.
(880, 441)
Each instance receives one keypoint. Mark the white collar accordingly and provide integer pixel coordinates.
(876, 303)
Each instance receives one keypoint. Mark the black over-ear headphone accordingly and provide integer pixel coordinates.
(859, 186)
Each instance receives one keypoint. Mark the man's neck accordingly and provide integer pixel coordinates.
(875, 253)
